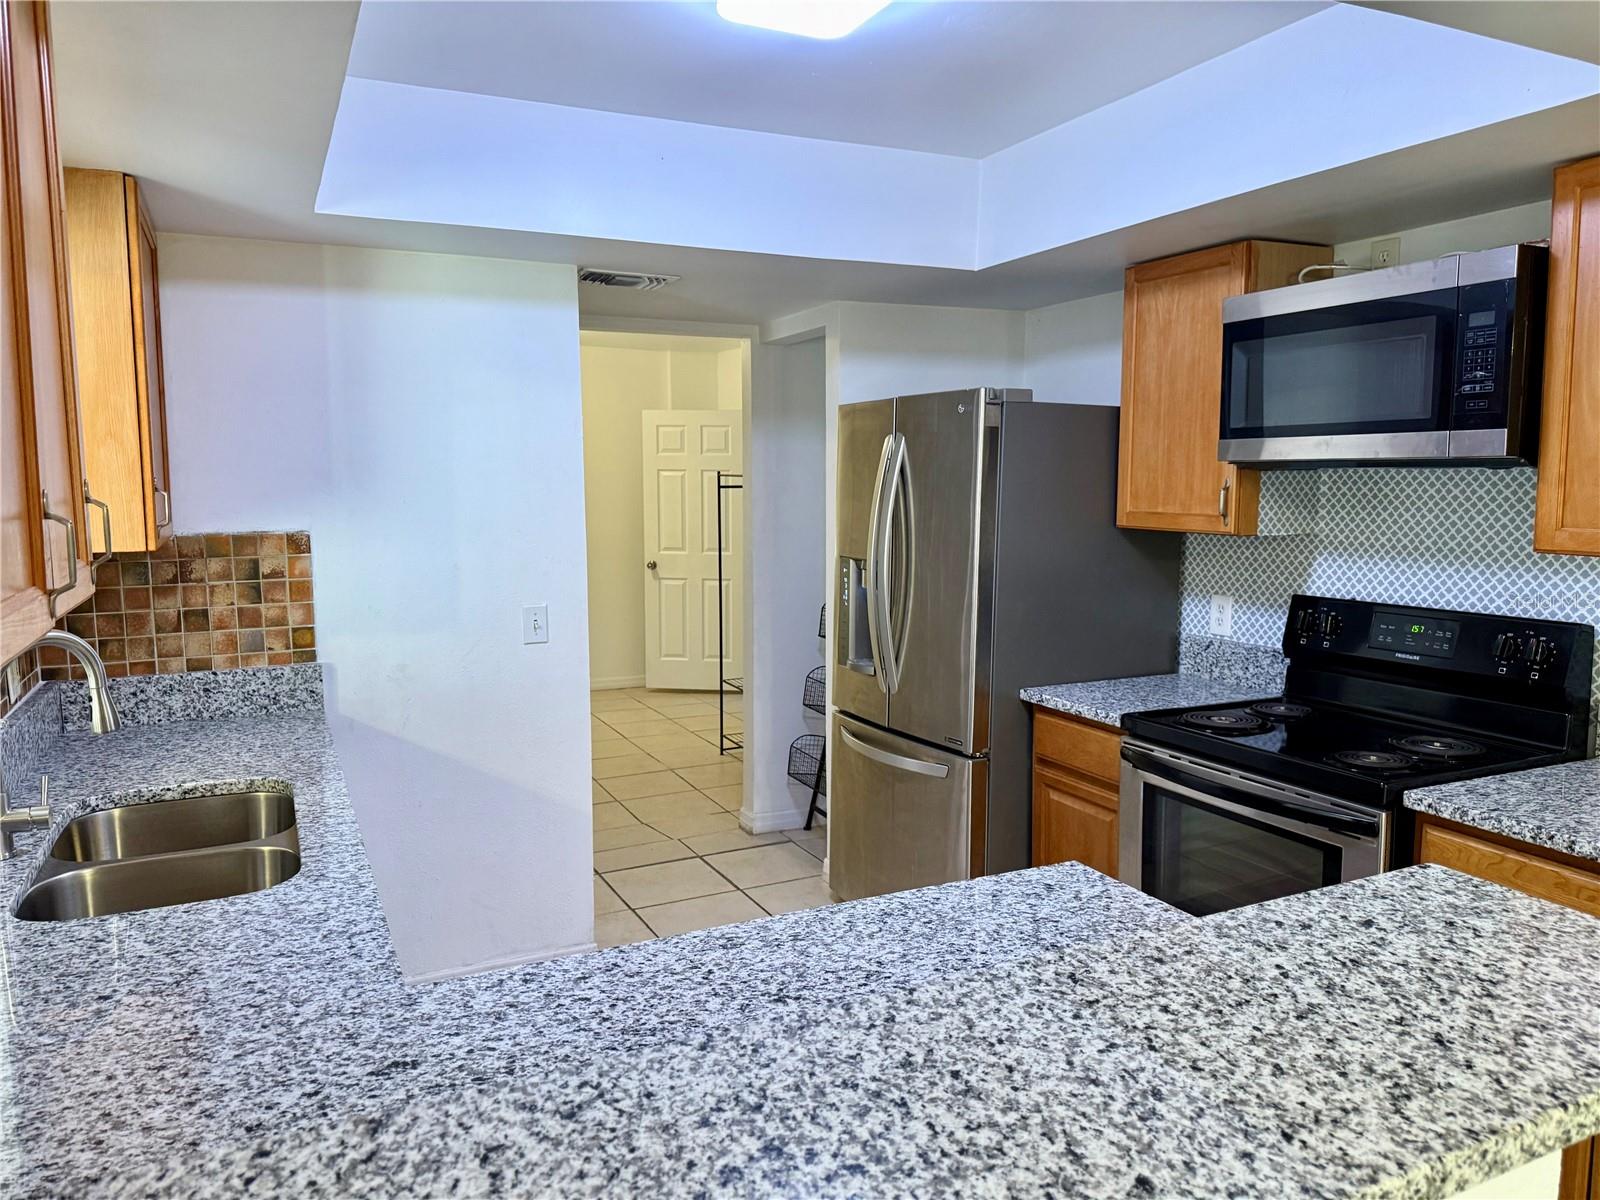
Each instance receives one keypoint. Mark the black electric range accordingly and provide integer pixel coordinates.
(1232, 803)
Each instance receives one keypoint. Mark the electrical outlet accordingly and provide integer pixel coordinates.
(1385, 252)
(1222, 615)
(535, 625)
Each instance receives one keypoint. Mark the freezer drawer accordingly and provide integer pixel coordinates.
(902, 814)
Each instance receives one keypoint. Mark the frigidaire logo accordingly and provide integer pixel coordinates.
(1408, 657)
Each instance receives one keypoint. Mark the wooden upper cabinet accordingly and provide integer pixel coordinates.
(118, 334)
(1168, 474)
(1567, 518)
(44, 568)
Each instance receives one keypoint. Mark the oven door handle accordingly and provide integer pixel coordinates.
(1182, 774)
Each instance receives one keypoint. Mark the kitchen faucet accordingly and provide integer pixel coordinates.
(103, 719)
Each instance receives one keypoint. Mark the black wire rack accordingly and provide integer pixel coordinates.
(822, 623)
(805, 762)
(726, 482)
(816, 694)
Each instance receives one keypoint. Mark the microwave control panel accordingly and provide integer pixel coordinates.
(1483, 350)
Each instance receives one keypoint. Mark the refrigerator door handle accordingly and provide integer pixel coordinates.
(877, 593)
(905, 502)
(888, 758)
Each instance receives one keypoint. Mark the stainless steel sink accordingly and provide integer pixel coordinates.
(157, 881)
(163, 853)
(165, 826)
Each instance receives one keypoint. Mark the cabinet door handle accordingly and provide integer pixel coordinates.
(105, 524)
(72, 553)
(164, 513)
(1222, 500)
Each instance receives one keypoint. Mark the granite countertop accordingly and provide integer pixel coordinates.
(1555, 807)
(1106, 700)
(1042, 1031)
(142, 1045)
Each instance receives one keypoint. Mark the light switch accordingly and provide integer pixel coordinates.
(535, 624)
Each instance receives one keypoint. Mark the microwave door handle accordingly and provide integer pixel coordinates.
(888, 758)
(877, 535)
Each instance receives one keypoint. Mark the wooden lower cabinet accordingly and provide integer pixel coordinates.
(1550, 875)
(1076, 765)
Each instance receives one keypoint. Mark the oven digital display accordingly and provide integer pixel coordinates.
(1414, 634)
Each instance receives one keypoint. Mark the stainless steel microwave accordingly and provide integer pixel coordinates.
(1431, 362)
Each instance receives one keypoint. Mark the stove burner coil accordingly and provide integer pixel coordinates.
(1231, 721)
(1280, 710)
(1371, 760)
(1431, 746)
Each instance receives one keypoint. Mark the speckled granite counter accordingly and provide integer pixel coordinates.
(1557, 807)
(1106, 700)
(1404, 1036)
(141, 1046)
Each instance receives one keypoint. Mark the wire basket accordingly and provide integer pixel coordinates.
(822, 624)
(816, 694)
(805, 762)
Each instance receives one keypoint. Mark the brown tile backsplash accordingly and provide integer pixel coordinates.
(202, 602)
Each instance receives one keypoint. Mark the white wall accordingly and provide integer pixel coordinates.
(785, 493)
(625, 376)
(1481, 231)
(420, 415)
(1072, 352)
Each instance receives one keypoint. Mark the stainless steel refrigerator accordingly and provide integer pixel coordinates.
(978, 554)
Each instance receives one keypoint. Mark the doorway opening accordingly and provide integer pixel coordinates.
(677, 847)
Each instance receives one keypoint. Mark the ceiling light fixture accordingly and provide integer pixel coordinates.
(808, 18)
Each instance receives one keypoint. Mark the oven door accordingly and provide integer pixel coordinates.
(1366, 372)
(1204, 839)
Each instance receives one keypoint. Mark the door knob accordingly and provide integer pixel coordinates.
(651, 565)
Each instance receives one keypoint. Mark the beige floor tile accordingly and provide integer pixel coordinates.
(631, 725)
(614, 702)
(776, 863)
(641, 855)
(700, 754)
(698, 722)
(810, 892)
(717, 775)
(599, 794)
(734, 839)
(729, 796)
(599, 729)
(705, 912)
(612, 815)
(636, 787)
(612, 747)
(675, 711)
(651, 809)
(651, 742)
(619, 929)
(605, 900)
(814, 843)
(665, 883)
(695, 823)
(626, 835)
(627, 764)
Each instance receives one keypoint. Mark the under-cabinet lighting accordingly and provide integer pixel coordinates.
(808, 18)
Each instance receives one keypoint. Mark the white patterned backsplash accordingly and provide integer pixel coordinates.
(1459, 538)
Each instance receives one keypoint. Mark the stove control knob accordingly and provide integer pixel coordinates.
(1507, 648)
(1330, 624)
(1541, 652)
(1305, 622)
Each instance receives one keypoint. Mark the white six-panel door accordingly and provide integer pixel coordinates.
(683, 451)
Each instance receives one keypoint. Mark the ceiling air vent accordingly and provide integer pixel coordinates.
(637, 280)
